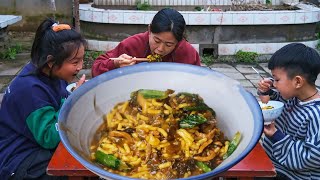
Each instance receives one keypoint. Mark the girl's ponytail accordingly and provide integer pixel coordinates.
(40, 33)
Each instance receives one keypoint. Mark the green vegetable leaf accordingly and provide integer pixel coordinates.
(191, 121)
(111, 161)
(233, 145)
(153, 94)
(204, 167)
(200, 107)
(108, 160)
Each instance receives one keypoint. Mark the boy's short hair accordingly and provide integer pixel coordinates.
(297, 59)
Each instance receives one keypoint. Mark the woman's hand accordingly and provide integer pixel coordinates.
(269, 129)
(126, 60)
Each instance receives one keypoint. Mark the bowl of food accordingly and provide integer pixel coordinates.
(271, 110)
(160, 121)
(72, 86)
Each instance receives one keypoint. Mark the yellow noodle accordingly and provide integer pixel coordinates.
(155, 103)
(153, 140)
(164, 165)
(119, 117)
(124, 106)
(149, 141)
(176, 156)
(144, 118)
(120, 128)
(126, 148)
(183, 105)
(153, 111)
(163, 132)
(146, 127)
(166, 112)
(167, 107)
(136, 162)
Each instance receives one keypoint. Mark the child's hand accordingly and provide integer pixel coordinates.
(264, 99)
(81, 81)
(126, 60)
(264, 85)
(269, 129)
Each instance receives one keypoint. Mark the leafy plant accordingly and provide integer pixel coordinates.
(18, 47)
(89, 57)
(246, 57)
(207, 59)
(268, 2)
(11, 52)
(144, 6)
(198, 8)
(92, 54)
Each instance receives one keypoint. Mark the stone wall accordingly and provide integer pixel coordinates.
(176, 2)
(3, 37)
(35, 11)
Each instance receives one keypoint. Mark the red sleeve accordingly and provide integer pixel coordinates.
(103, 63)
(134, 46)
(186, 53)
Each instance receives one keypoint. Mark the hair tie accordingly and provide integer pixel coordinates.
(59, 27)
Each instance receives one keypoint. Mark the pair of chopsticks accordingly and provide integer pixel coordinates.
(136, 59)
(261, 75)
(272, 87)
(257, 72)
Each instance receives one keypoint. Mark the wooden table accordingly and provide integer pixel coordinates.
(255, 164)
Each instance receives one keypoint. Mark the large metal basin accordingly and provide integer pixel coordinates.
(236, 109)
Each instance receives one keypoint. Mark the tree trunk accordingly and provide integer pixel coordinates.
(76, 17)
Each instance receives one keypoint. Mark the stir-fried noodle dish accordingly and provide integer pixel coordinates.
(161, 135)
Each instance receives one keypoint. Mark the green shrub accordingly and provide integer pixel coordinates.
(145, 6)
(92, 54)
(246, 57)
(10, 52)
(197, 8)
(207, 59)
(89, 58)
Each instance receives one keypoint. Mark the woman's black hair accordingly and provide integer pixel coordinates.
(297, 59)
(60, 45)
(169, 20)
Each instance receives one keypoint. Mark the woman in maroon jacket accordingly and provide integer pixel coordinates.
(164, 37)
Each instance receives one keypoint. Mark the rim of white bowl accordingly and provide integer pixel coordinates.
(274, 102)
(168, 66)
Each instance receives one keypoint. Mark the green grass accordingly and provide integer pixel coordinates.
(207, 59)
(246, 56)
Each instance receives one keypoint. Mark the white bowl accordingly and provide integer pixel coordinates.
(270, 115)
(70, 86)
(236, 108)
